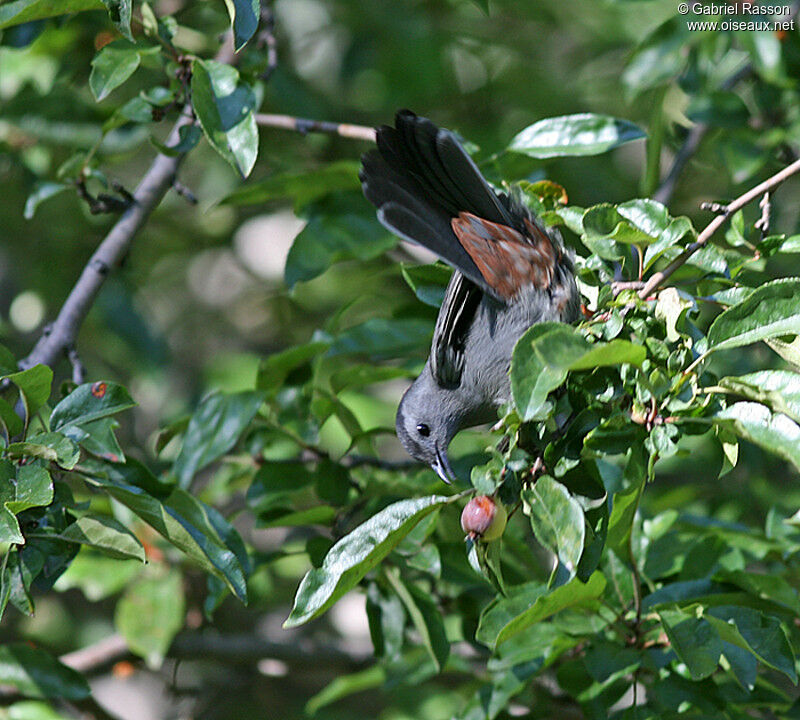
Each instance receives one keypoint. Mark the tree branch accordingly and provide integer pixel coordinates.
(160, 176)
(224, 648)
(658, 278)
(303, 126)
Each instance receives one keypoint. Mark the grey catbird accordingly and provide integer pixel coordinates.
(510, 272)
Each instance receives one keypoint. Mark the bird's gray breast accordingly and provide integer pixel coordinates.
(493, 335)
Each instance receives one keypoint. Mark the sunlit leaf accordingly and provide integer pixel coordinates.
(356, 554)
(574, 135)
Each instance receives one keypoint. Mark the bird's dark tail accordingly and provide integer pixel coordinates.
(420, 178)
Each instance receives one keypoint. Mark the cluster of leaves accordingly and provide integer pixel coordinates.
(685, 609)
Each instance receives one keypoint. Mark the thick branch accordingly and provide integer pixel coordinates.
(302, 125)
(657, 279)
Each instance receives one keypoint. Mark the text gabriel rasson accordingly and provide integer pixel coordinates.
(739, 8)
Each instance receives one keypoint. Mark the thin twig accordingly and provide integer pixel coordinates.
(101, 653)
(762, 224)
(658, 278)
(157, 180)
(303, 126)
(691, 144)
(266, 39)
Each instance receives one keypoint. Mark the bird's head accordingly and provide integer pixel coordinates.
(427, 419)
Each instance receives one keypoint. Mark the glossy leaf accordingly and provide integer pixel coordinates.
(90, 402)
(557, 520)
(112, 66)
(34, 673)
(574, 135)
(191, 526)
(335, 233)
(120, 13)
(150, 614)
(301, 187)
(224, 105)
(23, 11)
(34, 385)
(770, 311)
(546, 353)
(33, 488)
(425, 616)
(756, 632)
(106, 534)
(215, 427)
(774, 432)
(695, 642)
(505, 618)
(356, 554)
(244, 16)
(780, 389)
(41, 192)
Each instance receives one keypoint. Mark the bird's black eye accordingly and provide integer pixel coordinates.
(423, 430)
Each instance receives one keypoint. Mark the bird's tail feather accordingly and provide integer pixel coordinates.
(420, 178)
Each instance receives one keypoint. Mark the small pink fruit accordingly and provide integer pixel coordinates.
(484, 517)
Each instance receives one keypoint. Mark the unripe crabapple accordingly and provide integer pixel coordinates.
(484, 517)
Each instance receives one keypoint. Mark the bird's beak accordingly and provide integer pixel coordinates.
(442, 466)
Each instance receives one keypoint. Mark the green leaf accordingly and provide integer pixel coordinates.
(51, 447)
(775, 433)
(97, 576)
(224, 106)
(34, 488)
(244, 16)
(23, 11)
(659, 58)
(90, 402)
(275, 368)
(426, 618)
(98, 438)
(346, 685)
(384, 338)
(352, 557)
(150, 614)
(771, 311)
(9, 527)
(548, 351)
(557, 520)
(215, 427)
(112, 66)
(760, 634)
(120, 13)
(187, 523)
(695, 642)
(574, 135)
(106, 534)
(42, 191)
(34, 673)
(427, 281)
(301, 187)
(530, 604)
(339, 231)
(789, 351)
(34, 386)
(188, 137)
(780, 389)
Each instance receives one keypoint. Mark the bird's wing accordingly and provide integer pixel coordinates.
(455, 318)
(428, 190)
(507, 258)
